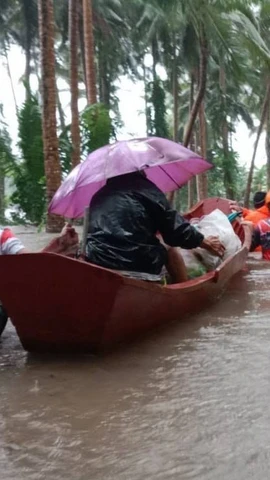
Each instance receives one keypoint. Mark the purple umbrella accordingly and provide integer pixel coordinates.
(167, 164)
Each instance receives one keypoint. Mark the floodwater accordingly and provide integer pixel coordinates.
(190, 402)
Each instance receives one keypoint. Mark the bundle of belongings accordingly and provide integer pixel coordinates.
(199, 261)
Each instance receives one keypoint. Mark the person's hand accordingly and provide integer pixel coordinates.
(69, 230)
(234, 207)
(213, 245)
(66, 243)
(68, 240)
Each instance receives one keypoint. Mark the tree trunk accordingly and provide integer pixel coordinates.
(37, 73)
(10, 77)
(228, 173)
(103, 77)
(82, 49)
(147, 116)
(50, 140)
(27, 72)
(155, 58)
(89, 46)
(202, 179)
(73, 40)
(191, 183)
(201, 90)
(2, 195)
(264, 115)
(61, 113)
(175, 88)
(27, 12)
(267, 149)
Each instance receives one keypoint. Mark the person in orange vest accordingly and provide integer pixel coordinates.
(260, 213)
(261, 234)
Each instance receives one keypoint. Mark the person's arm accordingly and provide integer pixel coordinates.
(176, 231)
(66, 243)
(23, 250)
(256, 239)
(10, 244)
(234, 207)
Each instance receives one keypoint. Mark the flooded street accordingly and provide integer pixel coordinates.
(190, 402)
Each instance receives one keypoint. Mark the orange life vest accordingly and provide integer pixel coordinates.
(255, 216)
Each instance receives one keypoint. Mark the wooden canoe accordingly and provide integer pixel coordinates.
(59, 304)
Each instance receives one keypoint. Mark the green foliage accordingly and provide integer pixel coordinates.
(30, 177)
(7, 163)
(7, 160)
(65, 149)
(181, 199)
(158, 100)
(227, 178)
(238, 47)
(156, 109)
(260, 179)
(96, 127)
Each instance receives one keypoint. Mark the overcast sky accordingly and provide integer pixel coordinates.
(131, 108)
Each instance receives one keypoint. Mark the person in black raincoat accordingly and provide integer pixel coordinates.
(125, 217)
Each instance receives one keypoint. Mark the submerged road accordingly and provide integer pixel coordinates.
(190, 402)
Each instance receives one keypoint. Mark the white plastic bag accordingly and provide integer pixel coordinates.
(217, 224)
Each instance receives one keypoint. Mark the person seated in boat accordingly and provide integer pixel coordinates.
(125, 217)
(260, 211)
(261, 233)
(66, 243)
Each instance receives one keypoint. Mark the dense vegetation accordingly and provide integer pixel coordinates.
(215, 56)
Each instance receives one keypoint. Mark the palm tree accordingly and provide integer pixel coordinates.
(19, 24)
(73, 40)
(89, 46)
(7, 161)
(50, 140)
(267, 149)
(202, 188)
(203, 44)
(264, 22)
(263, 122)
(27, 39)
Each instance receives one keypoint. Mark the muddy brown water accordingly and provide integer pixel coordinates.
(190, 402)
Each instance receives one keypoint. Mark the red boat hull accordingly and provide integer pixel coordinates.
(58, 304)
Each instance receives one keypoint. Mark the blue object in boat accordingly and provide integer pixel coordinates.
(232, 216)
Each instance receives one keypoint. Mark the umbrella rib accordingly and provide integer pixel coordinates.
(179, 186)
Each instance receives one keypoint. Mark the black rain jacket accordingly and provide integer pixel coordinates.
(125, 216)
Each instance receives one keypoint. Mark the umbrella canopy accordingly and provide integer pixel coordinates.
(167, 164)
